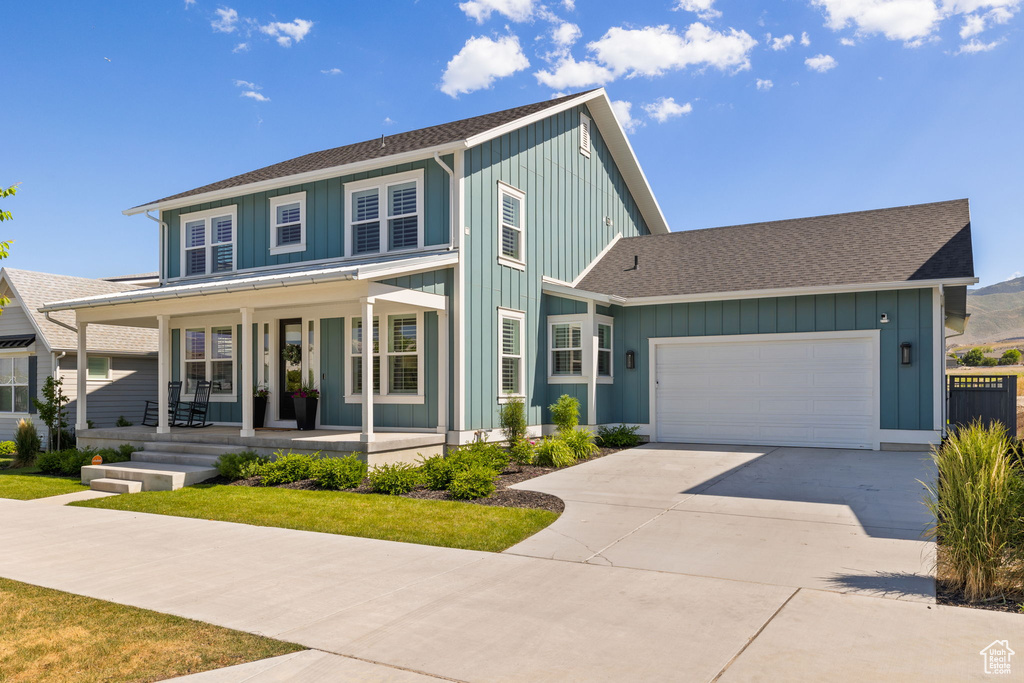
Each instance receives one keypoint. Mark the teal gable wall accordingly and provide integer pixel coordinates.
(568, 197)
(325, 218)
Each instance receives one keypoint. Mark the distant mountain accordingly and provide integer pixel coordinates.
(1007, 287)
(997, 313)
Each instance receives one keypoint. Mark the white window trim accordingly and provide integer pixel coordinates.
(585, 147)
(230, 209)
(109, 360)
(275, 202)
(512, 314)
(385, 397)
(572, 319)
(20, 353)
(383, 183)
(206, 327)
(520, 264)
(610, 322)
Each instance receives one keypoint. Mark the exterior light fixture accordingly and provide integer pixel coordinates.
(630, 360)
(905, 353)
(884, 319)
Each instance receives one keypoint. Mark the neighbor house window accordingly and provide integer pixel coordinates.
(209, 354)
(357, 355)
(208, 241)
(585, 135)
(14, 385)
(566, 348)
(288, 223)
(511, 366)
(99, 368)
(385, 214)
(403, 361)
(511, 229)
(604, 350)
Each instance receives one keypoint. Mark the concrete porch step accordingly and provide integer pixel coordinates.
(115, 485)
(191, 448)
(176, 458)
(154, 476)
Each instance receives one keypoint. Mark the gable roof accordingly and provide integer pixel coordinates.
(34, 290)
(903, 244)
(444, 138)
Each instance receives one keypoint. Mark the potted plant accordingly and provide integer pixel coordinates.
(260, 396)
(306, 399)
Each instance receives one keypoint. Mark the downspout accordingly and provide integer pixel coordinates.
(46, 314)
(163, 249)
(454, 350)
(451, 198)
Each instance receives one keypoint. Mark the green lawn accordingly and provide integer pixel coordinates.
(49, 635)
(392, 518)
(26, 483)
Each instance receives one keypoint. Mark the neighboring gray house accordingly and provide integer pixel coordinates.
(122, 361)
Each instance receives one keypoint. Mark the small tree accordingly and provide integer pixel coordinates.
(565, 413)
(512, 415)
(1010, 357)
(52, 410)
(974, 357)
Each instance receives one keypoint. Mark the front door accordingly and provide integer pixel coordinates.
(290, 377)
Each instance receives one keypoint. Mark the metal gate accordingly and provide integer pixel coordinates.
(988, 398)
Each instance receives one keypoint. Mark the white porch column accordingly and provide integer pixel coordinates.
(367, 434)
(442, 372)
(82, 363)
(245, 391)
(590, 347)
(163, 375)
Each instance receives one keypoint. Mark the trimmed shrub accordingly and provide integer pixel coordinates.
(522, 452)
(70, 462)
(8, 448)
(487, 454)
(338, 473)
(287, 469)
(229, 465)
(394, 479)
(26, 443)
(554, 452)
(581, 442)
(512, 418)
(977, 502)
(987, 362)
(565, 412)
(437, 472)
(125, 450)
(476, 481)
(623, 436)
(122, 422)
(252, 468)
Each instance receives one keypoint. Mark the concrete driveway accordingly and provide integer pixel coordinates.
(835, 520)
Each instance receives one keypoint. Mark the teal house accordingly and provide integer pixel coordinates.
(420, 279)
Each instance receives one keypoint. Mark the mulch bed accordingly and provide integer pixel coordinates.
(503, 496)
(945, 595)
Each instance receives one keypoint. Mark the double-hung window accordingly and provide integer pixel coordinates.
(14, 396)
(511, 365)
(397, 358)
(99, 368)
(604, 350)
(403, 359)
(566, 341)
(288, 223)
(208, 241)
(357, 355)
(209, 354)
(384, 214)
(511, 226)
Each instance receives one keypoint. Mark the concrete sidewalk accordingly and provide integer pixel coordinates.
(488, 617)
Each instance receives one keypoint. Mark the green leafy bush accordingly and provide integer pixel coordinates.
(565, 412)
(976, 502)
(1010, 357)
(125, 450)
(487, 454)
(229, 465)
(437, 472)
(338, 473)
(476, 481)
(8, 448)
(122, 422)
(394, 479)
(623, 436)
(554, 452)
(26, 443)
(581, 442)
(522, 452)
(987, 362)
(70, 462)
(287, 469)
(512, 418)
(252, 468)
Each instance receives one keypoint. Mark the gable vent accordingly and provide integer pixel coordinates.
(585, 135)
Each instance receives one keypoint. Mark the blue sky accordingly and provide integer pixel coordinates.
(738, 111)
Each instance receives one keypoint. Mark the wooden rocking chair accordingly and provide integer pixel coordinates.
(151, 415)
(193, 413)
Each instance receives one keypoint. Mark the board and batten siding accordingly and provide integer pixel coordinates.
(133, 382)
(906, 392)
(325, 218)
(568, 197)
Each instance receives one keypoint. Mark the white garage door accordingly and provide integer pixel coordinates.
(806, 390)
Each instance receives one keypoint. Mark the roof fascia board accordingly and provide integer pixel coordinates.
(298, 178)
(604, 252)
(505, 128)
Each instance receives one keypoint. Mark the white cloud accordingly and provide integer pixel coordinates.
(572, 74)
(623, 112)
(974, 46)
(781, 43)
(226, 21)
(973, 25)
(331, 72)
(805, 39)
(388, 121)
(848, 42)
(189, 3)
(565, 34)
(241, 47)
(665, 108)
(908, 20)
(259, 97)
(652, 50)
(247, 84)
(287, 31)
(569, 4)
(765, 84)
(481, 61)
(821, 63)
(702, 8)
(481, 10)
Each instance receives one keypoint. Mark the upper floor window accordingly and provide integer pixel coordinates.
(288, 223)
(511, 228)
(585, 135)
(14, 384)
(208, 241)
(384, 214)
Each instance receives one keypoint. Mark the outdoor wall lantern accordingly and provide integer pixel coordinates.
(630, 360)
(905, 353)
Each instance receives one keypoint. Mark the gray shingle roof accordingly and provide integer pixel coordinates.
(35, 289)
(920, 242)
(410, 141)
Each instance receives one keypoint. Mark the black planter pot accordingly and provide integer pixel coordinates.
(305, 412)
(259, 412)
